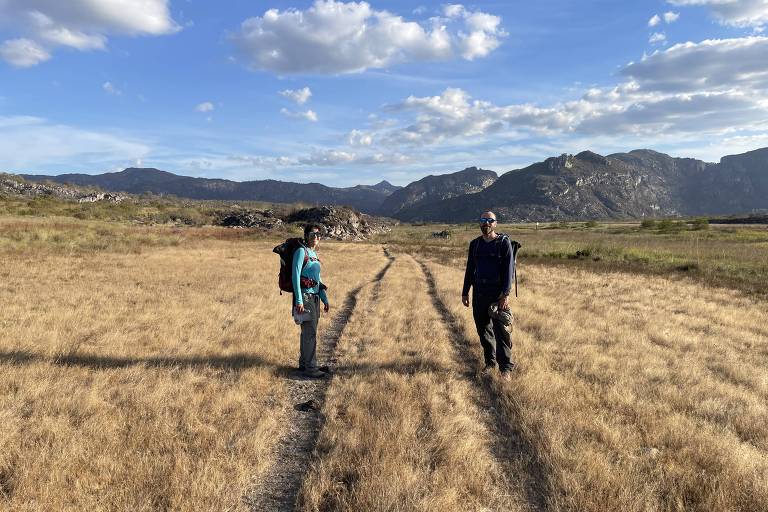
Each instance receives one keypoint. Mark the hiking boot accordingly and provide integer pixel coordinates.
(314, 374)
(506, 375)
(324, 368)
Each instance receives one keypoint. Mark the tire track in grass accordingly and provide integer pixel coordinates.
(278, 489)
(512, 447)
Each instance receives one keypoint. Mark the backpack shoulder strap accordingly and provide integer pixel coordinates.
(476, 241)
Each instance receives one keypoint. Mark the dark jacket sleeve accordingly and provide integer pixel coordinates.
(469, 273)
(507, 266)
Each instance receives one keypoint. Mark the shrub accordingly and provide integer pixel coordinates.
(590, 224)
(700, 223)
(648, 224)
(667, 225)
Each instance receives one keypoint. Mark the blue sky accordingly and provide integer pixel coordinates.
(345, 93)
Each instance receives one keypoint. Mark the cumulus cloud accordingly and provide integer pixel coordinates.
(31, 143)
(671, 17)
(23, 53)
(299, 96)
(206, 106)
(78, 24)
(713, 65)
(658, 38)
(655, 20)
(335, 37)
(737, 13)
(309, 115)
(110, 88)
(712, 87)
(359, 138)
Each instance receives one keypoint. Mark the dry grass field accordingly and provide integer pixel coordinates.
(637, 392)
(723, 255)
(142, 369)
(149, 369)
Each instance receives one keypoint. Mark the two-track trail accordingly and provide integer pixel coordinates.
(277, 490)
(514, 451)
(408, 423)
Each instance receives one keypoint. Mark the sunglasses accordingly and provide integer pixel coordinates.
(314, 234)
(487, 220)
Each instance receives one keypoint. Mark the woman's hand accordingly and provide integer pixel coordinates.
(326, 307)
(299, 308)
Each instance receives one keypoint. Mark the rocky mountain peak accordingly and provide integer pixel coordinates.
(589, 156)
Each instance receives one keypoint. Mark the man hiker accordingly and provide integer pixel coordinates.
(308, 292)
(490, 268)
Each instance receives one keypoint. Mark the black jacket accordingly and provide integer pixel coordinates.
(490, 266)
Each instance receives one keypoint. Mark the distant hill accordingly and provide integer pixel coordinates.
(140, 180)
(641, 183)
(407, 203)
(638, 184)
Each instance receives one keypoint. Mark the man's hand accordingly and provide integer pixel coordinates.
(465, 300)
(503, 302)
(299, 308)
(326, 307)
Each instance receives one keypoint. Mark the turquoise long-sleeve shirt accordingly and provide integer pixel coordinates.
(311, 270)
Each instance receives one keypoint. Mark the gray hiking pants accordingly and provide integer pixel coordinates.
(308, 339)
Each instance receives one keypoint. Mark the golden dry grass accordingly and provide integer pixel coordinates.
(144, 381)
(145, 369)
(402, 429)
(639, 393)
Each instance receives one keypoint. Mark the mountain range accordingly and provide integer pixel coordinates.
(641, 183)
(140, 180)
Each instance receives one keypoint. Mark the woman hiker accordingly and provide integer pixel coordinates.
(308, 292)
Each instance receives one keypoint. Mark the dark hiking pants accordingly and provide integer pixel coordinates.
(495, 339)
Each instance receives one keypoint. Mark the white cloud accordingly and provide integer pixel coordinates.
(687, 96)
(335, 157)
(655, 20)
(333, 37)
(671, 17)
(300, 96)
(737, 13)
(206, 106)
(453, 10)
(657, 38)
(714, 65)
(110, 88)
(713, 87)
(35, 144)
(309, 115)
(54, 34)
(78, 24)
(23, 53)
(359, 138)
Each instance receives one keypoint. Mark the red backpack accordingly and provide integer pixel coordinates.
(286, 250)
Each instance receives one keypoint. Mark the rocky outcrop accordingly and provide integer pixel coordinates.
(101, 196)
(264, 219)
(342, 223)
(15, 186)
